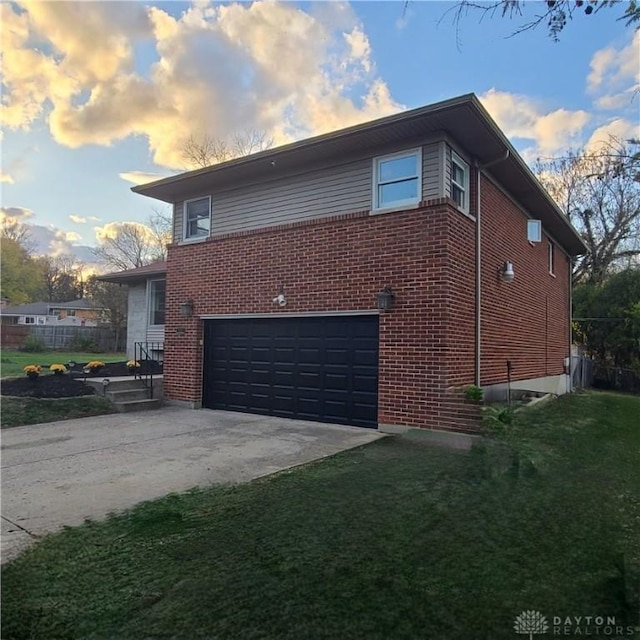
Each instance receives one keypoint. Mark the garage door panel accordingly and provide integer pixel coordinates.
(319, 368)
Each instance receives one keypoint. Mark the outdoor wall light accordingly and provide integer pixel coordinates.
(506, 272)
(280, 299)
(385, 299)
(186, 309)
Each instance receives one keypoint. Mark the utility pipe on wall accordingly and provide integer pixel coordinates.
(479, 169)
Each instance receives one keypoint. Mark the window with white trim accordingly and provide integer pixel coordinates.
(460, 182)
(551, 257)
(29, 320)
(157, 297)
(397, 180)
(197, 218)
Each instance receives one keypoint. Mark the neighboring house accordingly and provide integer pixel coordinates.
(282, 260)
(76, 313)
(145, 306)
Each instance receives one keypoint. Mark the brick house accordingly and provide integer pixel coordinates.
(281, 261)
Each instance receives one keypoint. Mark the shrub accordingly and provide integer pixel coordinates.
(83, 343)
(496, 420)
(95, 364)
(473, 392)
(32, 344)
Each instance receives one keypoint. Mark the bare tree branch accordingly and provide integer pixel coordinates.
(600, 193)
(131, 246)
(203, 150)
(555, 14)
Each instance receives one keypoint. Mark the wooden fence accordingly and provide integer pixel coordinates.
(70, 338)
(581, 372)
(12, 336)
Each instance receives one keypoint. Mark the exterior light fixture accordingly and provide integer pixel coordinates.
(186, 309)
(506, 272)
(385, 299)
(280, 299)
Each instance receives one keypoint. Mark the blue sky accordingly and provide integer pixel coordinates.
(96, 95)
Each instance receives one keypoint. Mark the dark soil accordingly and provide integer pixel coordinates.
(71, 384)
(45, 386)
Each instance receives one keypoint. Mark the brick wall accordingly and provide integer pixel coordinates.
(337, 264)
(427, 341)
(525, 321)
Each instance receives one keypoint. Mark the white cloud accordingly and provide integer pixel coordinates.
(616, 72)
(5, 177)
(618, 101)
(520, 116)
(17, 214)
(49, 240)
(140, 177)
(77, 219)
(111, 230)
(617, 128)
(221, 69)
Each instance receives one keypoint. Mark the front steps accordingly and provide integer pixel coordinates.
(129, 394)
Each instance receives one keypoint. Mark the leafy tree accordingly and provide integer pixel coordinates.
(555, 14)
(600, 193)
(113, 298)
(21, 274)
(204, 150)
(607, 318)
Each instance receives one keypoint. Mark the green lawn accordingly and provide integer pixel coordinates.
(12, 362)
(391, 541)
(20, 411)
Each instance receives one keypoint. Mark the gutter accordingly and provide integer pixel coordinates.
(479, 169)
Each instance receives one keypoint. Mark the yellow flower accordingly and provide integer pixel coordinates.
(58, 368)
(132, 363)
(32, 369)
(95, 364)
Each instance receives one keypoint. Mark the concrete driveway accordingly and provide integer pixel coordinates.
(60, 473)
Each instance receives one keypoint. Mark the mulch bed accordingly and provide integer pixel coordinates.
(47, 386)
(71, 384)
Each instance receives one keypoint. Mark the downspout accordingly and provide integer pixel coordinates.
(479, 169)
(570, 367)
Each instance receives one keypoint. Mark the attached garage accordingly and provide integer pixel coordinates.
(322, 368)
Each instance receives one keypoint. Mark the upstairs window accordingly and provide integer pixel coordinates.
(460, 182)
(157, 294)
(197, 218)
(551, 258)
(397, 180)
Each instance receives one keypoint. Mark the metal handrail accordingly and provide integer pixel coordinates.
(144, 351)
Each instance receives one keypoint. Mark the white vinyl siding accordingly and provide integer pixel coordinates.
(319, 193)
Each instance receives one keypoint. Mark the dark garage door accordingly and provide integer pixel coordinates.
(318, 368)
